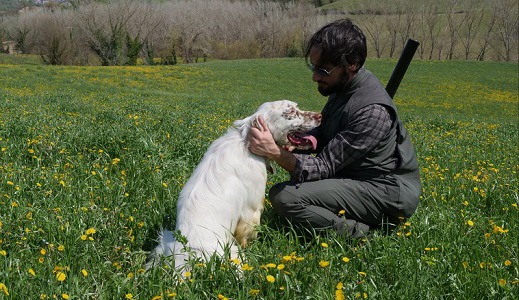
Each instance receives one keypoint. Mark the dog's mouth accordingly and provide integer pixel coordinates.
(302, 140)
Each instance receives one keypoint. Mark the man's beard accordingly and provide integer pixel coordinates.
(328, 90)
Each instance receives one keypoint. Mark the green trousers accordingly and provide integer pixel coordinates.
(350, 207)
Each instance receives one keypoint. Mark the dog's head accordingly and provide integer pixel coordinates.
(288, 123)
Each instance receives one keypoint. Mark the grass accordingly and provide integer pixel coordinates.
(92, 160)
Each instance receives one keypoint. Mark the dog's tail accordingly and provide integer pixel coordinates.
(166, 247)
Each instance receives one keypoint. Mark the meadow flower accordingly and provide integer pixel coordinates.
(324, 245)
(158, 297)
(4, 289)
(128, 296)
(470, 223)
(346, 259)
(65, 296)
(31, 271)
(502, 282)
(269, 265)
(3, 252)
(270, 278)
(247, 267)
(254, 292)
(222, 297)
(84, 272)
(508, 263)
(324, 263)
(280, 267)
(60, 276)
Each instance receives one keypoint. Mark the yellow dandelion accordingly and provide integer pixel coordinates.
(60, 276)
(222, 297)
(270, 265)
(247, 267)
(482, 264)
(346, 259)
(508, 263)
(4, 289)
(280, 267)
(171, 294)
(128, 296)
(83, 237)
(286, 258)
(31, 271)
(187, 274)
(61, 248)
(342, 212)
(502, 282)
(324, 263)
(84, 272)
(339, 285)
(157, 297)
(3, 252)
(43, 251)
(90, 231)
(362, 273)
(270, 278)
(470, 223)
(339, 295)
(65, 296)
(324, 245)
(254, 292)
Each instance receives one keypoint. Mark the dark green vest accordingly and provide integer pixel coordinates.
(394, 158)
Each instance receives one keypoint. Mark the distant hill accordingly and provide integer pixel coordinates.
(377, 7)
(10, 5)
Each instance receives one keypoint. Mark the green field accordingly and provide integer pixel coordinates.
(92, 160)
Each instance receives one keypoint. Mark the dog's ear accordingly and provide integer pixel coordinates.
(270, 166)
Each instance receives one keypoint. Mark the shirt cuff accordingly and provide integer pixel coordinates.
(297, 175)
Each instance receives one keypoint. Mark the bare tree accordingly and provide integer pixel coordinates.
(485, 40)
(470, 26)
(392, 18)
(453, 25)
(505, 29)
(371, 26)
(53, 37)
(431, 30)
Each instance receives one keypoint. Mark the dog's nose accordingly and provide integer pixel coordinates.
(317, 117)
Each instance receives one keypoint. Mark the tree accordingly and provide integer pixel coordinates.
(505, 29)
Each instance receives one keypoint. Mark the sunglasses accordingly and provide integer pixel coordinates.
(320, 71)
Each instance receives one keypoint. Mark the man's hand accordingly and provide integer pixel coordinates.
(262, 143)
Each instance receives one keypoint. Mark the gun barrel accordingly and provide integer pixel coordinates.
(401, 67)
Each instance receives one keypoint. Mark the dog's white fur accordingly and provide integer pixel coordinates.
(222, 202)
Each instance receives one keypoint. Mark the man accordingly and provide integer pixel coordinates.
(365, 173)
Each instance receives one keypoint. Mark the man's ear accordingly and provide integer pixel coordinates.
(353, 68)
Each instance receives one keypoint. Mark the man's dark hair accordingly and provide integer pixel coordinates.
(341, 43)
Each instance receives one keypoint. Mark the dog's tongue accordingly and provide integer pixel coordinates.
(300, 138)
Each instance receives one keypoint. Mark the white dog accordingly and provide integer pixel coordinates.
(222, 202)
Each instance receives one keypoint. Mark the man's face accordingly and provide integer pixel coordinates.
(329, 78)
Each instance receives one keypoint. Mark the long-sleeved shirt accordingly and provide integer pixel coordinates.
(364, 132)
